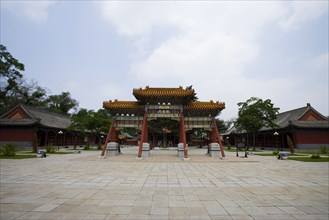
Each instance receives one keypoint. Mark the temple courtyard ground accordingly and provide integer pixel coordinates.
(162, 186)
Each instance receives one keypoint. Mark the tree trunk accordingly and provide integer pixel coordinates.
(254, 146)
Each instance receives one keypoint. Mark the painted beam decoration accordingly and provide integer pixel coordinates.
(164, 111)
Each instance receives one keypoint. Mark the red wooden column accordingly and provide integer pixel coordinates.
(182, 134)
(108, 137)
(215, 137)
(146, 133)
(143, 135)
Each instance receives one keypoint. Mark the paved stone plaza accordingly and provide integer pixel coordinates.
(162, 186)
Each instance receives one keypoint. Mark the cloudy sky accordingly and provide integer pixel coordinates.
(228, 51)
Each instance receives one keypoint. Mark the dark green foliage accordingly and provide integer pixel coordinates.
(62, 103)
(88, 120)
(315, 156)
(255, 114)
(9, 150)
(99, 147)
(309, 159)
(160, 125)
(87, 147)
(14, 89)
(323, 150)
(222, 125)
(50, 149)
(9, 77)
(194, 98)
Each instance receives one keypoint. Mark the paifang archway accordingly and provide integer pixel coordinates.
(174, 103)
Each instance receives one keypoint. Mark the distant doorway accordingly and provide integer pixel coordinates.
(163, 132)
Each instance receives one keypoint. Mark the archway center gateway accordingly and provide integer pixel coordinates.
(174, 103)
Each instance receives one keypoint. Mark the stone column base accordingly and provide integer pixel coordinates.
(112, 149)
(146, 150)
(180, 150)
(214, 150)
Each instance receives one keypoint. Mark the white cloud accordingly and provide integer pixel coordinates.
(138, 18)
(197, 57)
(210, 46)
(320, 62)
(210, 38)
(33, 10)
(303, 11)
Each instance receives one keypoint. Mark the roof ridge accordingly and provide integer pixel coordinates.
(292, 110)
(43, 110)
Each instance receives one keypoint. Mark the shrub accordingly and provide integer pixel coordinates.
(99, 147)
(50, 149)
(9, 150)
(87, 147)
(275, 152)
(315, 156)
(323, 150)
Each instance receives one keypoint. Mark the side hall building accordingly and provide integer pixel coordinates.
(24, 125)
(305, 127)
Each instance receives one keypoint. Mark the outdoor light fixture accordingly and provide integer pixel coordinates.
(60, 133)
(276, 134)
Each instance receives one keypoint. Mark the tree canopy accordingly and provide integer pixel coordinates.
(90, 120)
(62, 103)
(15, 89)
(255, 114)
(10, 77)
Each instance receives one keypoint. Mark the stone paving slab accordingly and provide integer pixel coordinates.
(162, 186)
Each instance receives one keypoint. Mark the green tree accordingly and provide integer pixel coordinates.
(14, 89)
(80, 120)
(88, 120)
(255, 114)
(194, 98)
(10, 76)
(222, 125)
(158, 126)
(32, 94)
(100, 121)
(62, 103)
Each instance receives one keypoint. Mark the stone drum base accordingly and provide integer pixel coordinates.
(214, 150)
(146, 150)
(112, 149)
(180, 150)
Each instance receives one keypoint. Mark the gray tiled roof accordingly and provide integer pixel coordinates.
(18, 121)
(47, 118)
(282, 119)
(44, 117)
(311, 124)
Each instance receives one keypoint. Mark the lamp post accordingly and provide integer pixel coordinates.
(246, 145)
(60, 136)
(276, 134)
(102, 138)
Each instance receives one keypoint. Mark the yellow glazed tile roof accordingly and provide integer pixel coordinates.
(122, 105)
(205, 106)
(163, 92)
